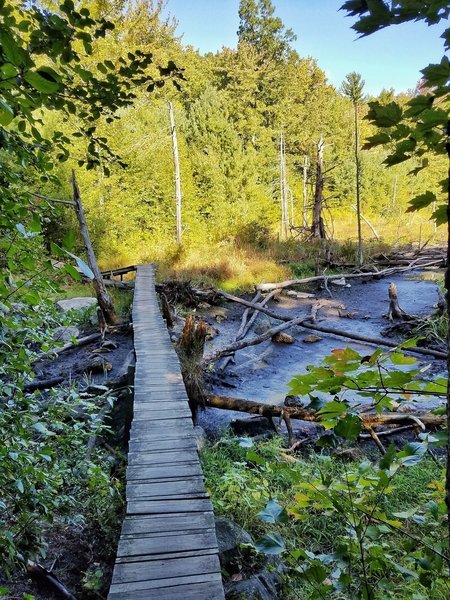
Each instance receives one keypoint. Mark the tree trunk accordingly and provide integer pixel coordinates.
(284, 229)
(305, 192)
(358, 187)
(447, 296)
(176, 164)
(103, 297)
(190, 352)
(318, 226)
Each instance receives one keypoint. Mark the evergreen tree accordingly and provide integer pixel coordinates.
(353, 87)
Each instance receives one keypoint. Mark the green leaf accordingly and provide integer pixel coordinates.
(389, 457)
(41, 81)
(271, 543)
(349, 427)
(84, 268)
(6, 113)
(386, 115)
(245, 442)
(437, 74)
(70, 270)
(19, 485)
(333, 409)
(12, 49)
(412, 453)
(440, 215)
(421, 201)
(273, 513)
(41, 428)
(418, 104)
(398, 358)
(376, 140)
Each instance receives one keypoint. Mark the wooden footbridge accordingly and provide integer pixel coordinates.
(168, 547)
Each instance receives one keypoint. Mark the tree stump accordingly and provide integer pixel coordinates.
(190, 349)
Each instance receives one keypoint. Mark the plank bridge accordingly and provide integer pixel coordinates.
(167, 548)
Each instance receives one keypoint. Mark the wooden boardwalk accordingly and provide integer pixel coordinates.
(168, 547)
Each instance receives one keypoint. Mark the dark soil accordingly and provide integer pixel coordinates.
(73, 553)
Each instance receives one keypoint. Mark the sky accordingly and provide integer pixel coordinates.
(391, 58)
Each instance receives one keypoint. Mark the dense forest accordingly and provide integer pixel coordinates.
(232, 111)
(227, 170)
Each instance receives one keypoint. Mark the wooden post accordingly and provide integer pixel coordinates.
(305, 191)
(318, 226)
(176, 164)
(103, 297)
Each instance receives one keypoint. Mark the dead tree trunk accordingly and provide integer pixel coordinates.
(395, 312)
(103, 297)
(284, 229)
(305, 192)
(176, 164)
(190, 352)
(318, 226)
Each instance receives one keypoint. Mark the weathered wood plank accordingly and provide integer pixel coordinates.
(170, 523)
(164, 471)
(158, 569)
(148, 506)
(142, 547)
(189, 588)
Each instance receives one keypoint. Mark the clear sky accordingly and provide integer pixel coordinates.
(391, 58)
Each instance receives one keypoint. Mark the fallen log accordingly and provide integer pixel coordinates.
(252, 342)
(368, 420)
(80, 342)
(344, 334)
(42, 384)
(266, 287)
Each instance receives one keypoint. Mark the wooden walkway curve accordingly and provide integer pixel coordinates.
(168, 547)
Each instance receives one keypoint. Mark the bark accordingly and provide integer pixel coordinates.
(351, 336)
(358, 186)
(367, 222)
(103, 297)
(318, 226)
(395, 312)
(42, 384)
(80, 342)
(46, 577)
(368, 420)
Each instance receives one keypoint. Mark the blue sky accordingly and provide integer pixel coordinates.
(389, 58)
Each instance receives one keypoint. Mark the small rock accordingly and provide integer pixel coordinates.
(65, 334)
(251, 426)
(294, 401)
(229, 538)
(76, 304)
(211, 331)
(263, 585)
(311, 339)
(299, 295)
(262, 327)
(349, 454)
(203, 305)
(109, 345)
(282, 338)
(97, 365)
(340, 282)
(200, 437)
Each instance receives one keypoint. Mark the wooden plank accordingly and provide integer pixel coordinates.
(193, 486)
(170, 523)
(189, 588)
(142, 547)
(173, 455)
(154, 570)
(149, 506)
(164, 471)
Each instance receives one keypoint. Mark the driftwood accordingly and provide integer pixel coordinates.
(80, 342)
(251, 342)
(417, 264)
(368, 420)
(304, 322)
(122, 285)
(165, 308)
(395, 312)
(42, 384)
